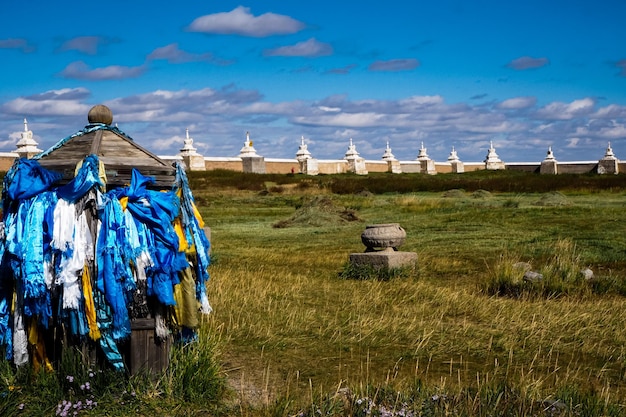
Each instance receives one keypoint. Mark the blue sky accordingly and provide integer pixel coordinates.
(523, 75)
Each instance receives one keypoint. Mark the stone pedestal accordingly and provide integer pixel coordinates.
(253, 164)
(385, 259)
(386, 237)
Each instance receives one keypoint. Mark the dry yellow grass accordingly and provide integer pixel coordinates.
(292, 327)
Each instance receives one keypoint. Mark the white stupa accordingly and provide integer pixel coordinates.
(356, 164)
(549, 165)
(351, 153)
(27, 146)
(453, 157)
(188, 148)
(493, 161)
(609, 155)
(455, 163)
(550, 155)
(247, 150)
(609, 164)
(427, 165)
(303, 153)
(423, 155)
(388, 156)
(492, 156)
(192, 159)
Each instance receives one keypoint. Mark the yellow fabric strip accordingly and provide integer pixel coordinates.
(90, 306)
(186, 308)
(183, 245)
(196, 213)
(38, 348)
(124, 202)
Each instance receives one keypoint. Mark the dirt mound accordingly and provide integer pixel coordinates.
(365, 193)
(553, 199)
(481, 194)
(318, 211)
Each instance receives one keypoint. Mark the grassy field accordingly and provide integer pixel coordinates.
(294, 332)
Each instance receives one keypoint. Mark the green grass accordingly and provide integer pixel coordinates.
(194, 384)
(291, 335)
(297, 331)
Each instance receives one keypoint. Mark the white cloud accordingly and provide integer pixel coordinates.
(329, 109)
(172, 54)
(240, 21)
(85, 44)
(80, 71)
(611, 111)
(163, 144)
(617, 131)
(518, 103)
(158, 119)
(572, 143)
(309, 48)
(63, 102)
(421, 101)
(349, 120)
(566, 111)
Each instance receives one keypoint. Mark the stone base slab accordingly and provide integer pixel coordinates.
(384, 259)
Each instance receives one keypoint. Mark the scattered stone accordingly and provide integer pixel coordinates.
(532, 276)
(554, 406)
(346, 397)
(587, 274)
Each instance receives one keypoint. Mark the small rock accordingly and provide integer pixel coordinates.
(587, 274)
(554, 405)
(532, 276)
